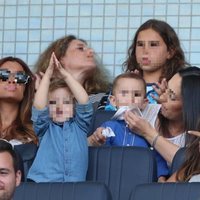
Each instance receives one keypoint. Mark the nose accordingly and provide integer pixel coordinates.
(90, 51)
(146, 48)
(11, 78)
(163, 98)
(130, 99)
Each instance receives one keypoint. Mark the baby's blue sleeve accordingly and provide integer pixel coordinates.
(162, 168)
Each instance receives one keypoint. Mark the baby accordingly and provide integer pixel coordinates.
(129, 90)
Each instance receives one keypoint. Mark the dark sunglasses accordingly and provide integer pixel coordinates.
(20, 77)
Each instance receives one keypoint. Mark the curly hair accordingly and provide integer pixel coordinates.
(95, 81)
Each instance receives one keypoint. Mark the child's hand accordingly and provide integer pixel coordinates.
(51, 67)
(63, 73)
(97, 139)
(160, 89)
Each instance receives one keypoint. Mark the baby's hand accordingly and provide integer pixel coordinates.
(97, 139)
(108, 132)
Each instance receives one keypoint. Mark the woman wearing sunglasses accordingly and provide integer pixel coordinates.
(16, 94)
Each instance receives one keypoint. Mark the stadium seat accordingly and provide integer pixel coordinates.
(166, 191)
(62, 191)
(27, 153)
(178, 160)
(98, 118)
(121, 168)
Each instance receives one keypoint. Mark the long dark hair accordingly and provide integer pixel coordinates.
(169, 36)
(191, 165)
(190, 88)
(190, 94)
(22, 128)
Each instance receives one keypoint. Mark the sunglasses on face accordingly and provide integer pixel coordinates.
(20, 77)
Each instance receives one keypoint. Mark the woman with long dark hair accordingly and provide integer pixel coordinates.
(16, 95)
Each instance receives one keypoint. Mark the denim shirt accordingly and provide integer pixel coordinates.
(63, 151)
(124, 137)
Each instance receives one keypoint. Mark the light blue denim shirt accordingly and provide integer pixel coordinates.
(63, 151)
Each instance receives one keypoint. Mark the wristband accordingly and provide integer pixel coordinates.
(155, 140)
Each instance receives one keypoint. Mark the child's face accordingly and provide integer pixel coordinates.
(151, 51)
(61, 105)
(129, 92)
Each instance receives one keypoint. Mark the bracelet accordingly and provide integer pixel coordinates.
(155, 140)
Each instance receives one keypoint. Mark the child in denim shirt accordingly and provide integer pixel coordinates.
(63, 152)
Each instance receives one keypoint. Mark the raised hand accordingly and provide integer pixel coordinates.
(160, 89)
(51, 67)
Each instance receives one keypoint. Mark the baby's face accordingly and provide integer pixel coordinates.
(129, 92)
(61, 105)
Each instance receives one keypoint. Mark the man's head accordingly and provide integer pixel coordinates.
(10, 176)
(129, 89)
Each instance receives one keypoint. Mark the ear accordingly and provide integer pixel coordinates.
(170, 53)
(18, 177)
(112, 100)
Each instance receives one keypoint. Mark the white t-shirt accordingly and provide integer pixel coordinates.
(179, 140)
(195, 178)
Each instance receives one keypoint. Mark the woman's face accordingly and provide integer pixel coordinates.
(172, 107)
(10, 88)
(78, 57)
(151, 51)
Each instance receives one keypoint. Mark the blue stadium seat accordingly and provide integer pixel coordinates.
(98, 118)
(166, 191)
(178, 160)
(27, 153)
(121, 168)
(62, 191)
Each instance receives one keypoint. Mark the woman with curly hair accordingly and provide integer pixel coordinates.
(80, 60)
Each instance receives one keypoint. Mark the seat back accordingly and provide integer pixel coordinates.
(27, 153)
(62, 191)
(20, 166)
(166, 191)
(98, 118)
(178, 160)
(121, 168)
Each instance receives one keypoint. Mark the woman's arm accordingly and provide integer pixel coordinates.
(172, 178)
(143, 128)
